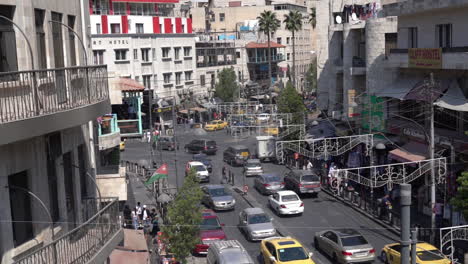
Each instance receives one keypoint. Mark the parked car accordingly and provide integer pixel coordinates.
(253, 167)
(236, 155)
(425, 254)
(344, 246)
(201, 146)
(286, 203)
(167, 143)
(228, 252)
(202, 173)
(216, 125)
(210, 231)
(203, 158)
(255, 224)
(217, 197)
(303, 182)
(279, 250)
(264, 117)
(268, 183)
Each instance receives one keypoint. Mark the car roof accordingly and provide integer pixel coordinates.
(239, 147)
(255, 210)
(253, 161)
(344, 232)
(214, 186)
(195, 163)
(235, 255)
(281, 193)
(283, 242)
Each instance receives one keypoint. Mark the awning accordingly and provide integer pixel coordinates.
(198, 109)
(423, 91)
(453, 99)
(400, 88)
(128, 85)
(410, 152)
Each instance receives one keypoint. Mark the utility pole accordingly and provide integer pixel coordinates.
(405, 241)
(150, 124)
(371, 153)
(432, 148)
(175, 141)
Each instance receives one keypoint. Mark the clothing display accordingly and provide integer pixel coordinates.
(363, 12)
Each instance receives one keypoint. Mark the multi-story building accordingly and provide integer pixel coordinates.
(257, 63)
(49, 98)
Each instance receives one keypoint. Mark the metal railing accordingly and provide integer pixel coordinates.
(29, 94)
(259, 59)
(82, 243)
(108, 125)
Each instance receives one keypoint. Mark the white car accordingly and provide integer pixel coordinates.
(202, 172)
(286, 203)
(263, 117)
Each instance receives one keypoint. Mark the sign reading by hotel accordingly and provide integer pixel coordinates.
(425, 58)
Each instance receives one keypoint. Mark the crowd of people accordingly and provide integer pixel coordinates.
(140, 217)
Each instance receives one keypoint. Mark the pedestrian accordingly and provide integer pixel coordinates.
(139, 211)
(223, 172)
(135, 218)
(310, 166)
(438, 211)
(127, 213)
(155, 225)
(145, 216)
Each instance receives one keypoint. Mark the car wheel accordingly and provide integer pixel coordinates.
(316, 244)
(383, 257)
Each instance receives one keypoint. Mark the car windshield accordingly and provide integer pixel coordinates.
(199, 168)
(429, 255)
(290, 254)
(210, 224)
(272, 179)
(218, 192)
(289, 198)
(253, 165)
(213, 122)
(310, 178)
(258, 219)
(353, 241)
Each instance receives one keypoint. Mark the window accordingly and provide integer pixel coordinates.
(98, 56)
(135, 54)
(238, 54)
(221, 17)
(187, 51)
(20, 204)
(390, 42)
(167, 78)
(147, 81)
(165, 52)
(287, 40)
(444, 35)
(202, 80)
(40, 38)
(412, 37)
(188, 75)
(176, 53)
(98, 28)
(120, 54)
(278, 40)
(139, 28)
(57, 40)
(119, 8)
(178, 77)
(145, 55)
(288, 56)
(153, 52)
(71, 40)
(115, 28)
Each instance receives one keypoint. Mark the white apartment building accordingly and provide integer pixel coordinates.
(49, 100)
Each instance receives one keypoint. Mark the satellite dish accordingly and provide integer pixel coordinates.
(354, 16)
(338, 19)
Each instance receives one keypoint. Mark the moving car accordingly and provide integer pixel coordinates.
(201, 146)
(217, 197)
(425, 254)
(302, 182)
(215, 125)
(286, 203)
(236, 155)
(228, 252)
(264, 117)
(344, 246)
(202, 173)
(210, 231)
(284, 250)
(255, 224)
(253, 167)
(203, 158)
(167, 143)
(268, 183)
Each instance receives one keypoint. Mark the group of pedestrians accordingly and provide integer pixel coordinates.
(140, 217)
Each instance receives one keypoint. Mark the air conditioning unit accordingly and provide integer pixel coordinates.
(336, 115)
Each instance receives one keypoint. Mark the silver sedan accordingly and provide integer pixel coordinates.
(255, 224)
(268, 183)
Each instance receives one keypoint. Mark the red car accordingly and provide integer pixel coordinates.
(210, 231)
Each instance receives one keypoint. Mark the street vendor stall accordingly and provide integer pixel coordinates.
(164, 256)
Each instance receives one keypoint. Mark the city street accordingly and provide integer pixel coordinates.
(320, 213)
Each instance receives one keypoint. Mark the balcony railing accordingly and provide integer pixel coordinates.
(83, 242)
(29, 94)
(263, 59)
(108, 125)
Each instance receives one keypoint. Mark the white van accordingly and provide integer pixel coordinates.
(228, 252)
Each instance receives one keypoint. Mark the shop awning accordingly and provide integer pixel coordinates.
(399, 89)
(410, 152)
(453, 99)
(127, 85)
(198, 109)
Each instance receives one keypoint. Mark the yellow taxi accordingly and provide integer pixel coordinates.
(272, 131)
(215, 125)
(284, 250)
(425, 254)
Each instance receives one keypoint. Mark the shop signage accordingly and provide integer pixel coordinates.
(425, 58)
(352, 104)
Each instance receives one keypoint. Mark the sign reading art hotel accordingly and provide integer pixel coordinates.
(425, 58)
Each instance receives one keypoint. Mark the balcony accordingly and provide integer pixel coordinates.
(409, 7)
(109, 132)
(264, 59)
(452, 58)
(91, 242)
(358, 66)
(33, 103)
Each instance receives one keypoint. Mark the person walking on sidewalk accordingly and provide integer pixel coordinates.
(310, 166)
(127, 214)
(135, 219)
(223, 172)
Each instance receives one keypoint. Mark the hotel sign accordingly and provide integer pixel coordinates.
(425, 58)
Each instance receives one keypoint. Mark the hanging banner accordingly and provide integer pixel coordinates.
(425, 58)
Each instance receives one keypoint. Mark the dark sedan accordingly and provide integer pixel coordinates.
(201, 146)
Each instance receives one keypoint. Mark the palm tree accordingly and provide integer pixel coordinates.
(313, 17)
(268, 23)
(293, 23)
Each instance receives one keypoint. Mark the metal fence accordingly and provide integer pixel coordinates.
(83, 242)
(28, 94)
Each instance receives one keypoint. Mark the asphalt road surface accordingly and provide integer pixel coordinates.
(321, 213)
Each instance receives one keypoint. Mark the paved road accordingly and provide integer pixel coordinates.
(320, 213)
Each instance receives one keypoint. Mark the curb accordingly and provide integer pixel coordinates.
(395, 230)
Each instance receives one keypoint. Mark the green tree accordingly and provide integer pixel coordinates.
(460, 201)
(184, 218)
(289, 101)
(311, 77)
(227, 87)
(313, 17)
(293, 23)
(268, 23)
